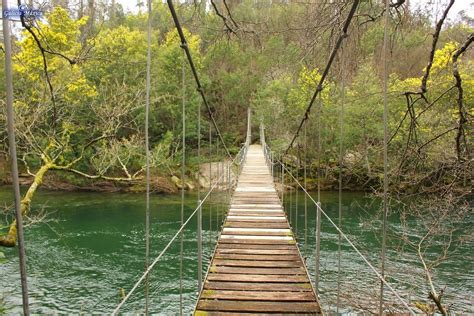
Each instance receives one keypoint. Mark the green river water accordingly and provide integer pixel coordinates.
(92, 244)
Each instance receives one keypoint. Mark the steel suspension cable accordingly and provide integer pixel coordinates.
(147, 152)
(319, 87)
(185, 47)
(183, 171)
(14, 160)
(385, 150)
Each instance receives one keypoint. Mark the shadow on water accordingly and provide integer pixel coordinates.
(92, 244)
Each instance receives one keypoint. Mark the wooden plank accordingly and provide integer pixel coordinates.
(255, 205)
(282, 257)
(252, 263)
(256, 241)
(209, 313)
(285, 271)
(257, 219)
(258, 295)
(258, 251)
(257, 213)
(255, 237)
(251, 306)
(253, 224)
(246, 286)
(255, 233)
(256, 246)
(268, 278)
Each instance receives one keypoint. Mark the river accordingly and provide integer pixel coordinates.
(89, 245)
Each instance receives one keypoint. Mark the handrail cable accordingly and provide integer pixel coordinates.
(318, 205)
(153, 264)
(319, 87)
(185, 47)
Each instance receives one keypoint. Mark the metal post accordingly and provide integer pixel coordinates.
(13, 156)
(199, 245)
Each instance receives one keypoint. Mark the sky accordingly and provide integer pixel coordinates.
(459, 5)
(466, 5)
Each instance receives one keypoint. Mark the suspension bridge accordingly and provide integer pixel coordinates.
(257, 266)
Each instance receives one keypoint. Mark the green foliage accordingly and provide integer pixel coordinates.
(118, 57)
(269, 63)
(61, 34)
(167, 94)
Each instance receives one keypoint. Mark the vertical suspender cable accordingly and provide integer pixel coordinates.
(318, 211)
(385, 150)
(199, 218)
(210, 186)
(296, 193)
(341, 161)
(218, 204)
(305, 197)
(183, 164)
(291, 197)
(283, 182)
(13, 157)
(147, 153)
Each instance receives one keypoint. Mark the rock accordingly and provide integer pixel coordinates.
(203, 182)
(190, 186)
(177, 182)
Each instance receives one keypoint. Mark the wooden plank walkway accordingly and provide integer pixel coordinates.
(256, 267)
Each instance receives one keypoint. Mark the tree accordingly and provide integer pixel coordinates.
(71, 130)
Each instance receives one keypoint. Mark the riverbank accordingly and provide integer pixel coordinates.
(160, 182)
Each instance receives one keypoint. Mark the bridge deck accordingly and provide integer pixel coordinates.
(256, 267)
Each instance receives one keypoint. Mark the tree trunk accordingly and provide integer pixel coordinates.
(9, 240)
(80, 12)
